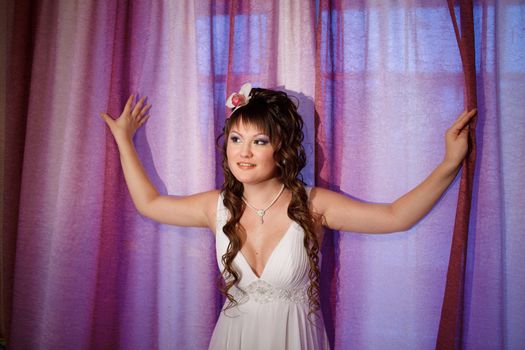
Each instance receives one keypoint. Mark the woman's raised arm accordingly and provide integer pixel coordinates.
(342, 213)
(196, 210)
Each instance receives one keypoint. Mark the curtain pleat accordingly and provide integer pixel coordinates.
(323, 171)
(451, 328)
(19, 58)
(106, 312)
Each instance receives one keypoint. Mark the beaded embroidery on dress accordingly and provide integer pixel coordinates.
(272, 309)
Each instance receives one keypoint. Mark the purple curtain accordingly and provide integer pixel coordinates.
(385, 97)
(81, 269)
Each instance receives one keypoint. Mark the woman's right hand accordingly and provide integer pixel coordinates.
(131, 118)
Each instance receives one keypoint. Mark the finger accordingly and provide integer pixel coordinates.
(467, 118)
(145, 110)
(106, 117)
(143, 120)
(138, 106)
(463, 119)
(460, 117)
(129, 102)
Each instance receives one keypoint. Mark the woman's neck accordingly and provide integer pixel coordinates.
(259, 195)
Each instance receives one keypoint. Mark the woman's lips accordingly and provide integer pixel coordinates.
(245, 165)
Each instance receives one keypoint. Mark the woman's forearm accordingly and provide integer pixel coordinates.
(139, 185)
(412, 206)
(195, 210)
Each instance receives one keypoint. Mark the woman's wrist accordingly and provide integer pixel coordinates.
(123, 139)
(449, 167)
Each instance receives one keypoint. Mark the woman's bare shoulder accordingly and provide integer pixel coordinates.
(211, 199)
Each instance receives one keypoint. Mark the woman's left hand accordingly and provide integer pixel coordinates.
(456, 139)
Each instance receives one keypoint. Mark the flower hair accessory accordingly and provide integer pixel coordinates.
(239, 99)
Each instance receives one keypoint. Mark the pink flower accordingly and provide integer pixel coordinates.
(238, 99)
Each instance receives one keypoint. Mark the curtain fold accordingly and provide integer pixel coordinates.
(378, 85)
(18, 41)
(451, 327)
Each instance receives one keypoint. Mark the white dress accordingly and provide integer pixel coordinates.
(272, 312)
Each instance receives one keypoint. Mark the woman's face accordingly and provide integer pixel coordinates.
(250, 154)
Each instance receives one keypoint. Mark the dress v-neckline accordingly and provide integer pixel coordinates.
(252, 270)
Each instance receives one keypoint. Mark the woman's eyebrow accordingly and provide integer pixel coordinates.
(256, 135)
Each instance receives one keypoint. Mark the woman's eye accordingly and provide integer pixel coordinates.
(235, 139)
(261, 142)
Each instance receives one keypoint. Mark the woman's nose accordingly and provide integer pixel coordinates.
(246, 150)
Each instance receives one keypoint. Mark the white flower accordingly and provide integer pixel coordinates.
(241, 98)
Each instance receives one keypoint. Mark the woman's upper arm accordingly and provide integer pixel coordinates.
(342, 213)
(197, 210)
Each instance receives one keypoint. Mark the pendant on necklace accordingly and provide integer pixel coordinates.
(261, 213)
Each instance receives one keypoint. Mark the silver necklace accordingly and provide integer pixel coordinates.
(261, 212)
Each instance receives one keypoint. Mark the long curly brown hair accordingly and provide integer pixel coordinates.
(276, 115)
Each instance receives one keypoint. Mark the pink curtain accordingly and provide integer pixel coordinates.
(82, 270)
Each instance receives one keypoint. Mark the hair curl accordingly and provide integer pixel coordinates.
(276, 115)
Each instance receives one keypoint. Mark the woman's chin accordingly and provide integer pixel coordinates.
(253, 180)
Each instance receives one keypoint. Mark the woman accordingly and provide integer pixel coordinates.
(267, 225)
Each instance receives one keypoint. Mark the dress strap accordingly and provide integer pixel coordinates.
(222, 213)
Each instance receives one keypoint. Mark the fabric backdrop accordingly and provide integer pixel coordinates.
(378, 84)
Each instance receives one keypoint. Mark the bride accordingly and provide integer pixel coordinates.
(267, 223)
